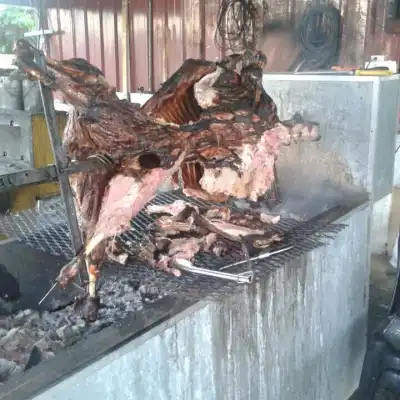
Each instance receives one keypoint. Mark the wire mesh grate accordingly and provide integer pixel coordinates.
(45, 228)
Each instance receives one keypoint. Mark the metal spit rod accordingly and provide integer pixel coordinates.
(185, 265)
(261, 256)
(60, 158)
(49, 173)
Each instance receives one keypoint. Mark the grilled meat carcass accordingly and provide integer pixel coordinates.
(147, 146)
(215, 213)
(99, 123)
(183, 230)
(184, 99)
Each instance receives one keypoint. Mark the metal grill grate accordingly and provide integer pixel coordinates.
(45, 228)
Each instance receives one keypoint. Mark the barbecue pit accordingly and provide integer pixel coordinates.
(298, 329)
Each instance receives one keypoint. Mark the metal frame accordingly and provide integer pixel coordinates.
(62, 167)
(16, 130)
(26, 177)
(60, 160)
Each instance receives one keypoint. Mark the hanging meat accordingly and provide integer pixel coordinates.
(206, 115)
(243, 99)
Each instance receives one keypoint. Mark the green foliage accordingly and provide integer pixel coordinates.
(14, 22)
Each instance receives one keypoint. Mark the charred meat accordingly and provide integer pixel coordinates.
(182, 230)
(221, 129)
(241, 99)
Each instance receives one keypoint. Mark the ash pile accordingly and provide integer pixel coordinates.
(30, 336)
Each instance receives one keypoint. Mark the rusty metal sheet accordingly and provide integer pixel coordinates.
(139, 44)
(174, 35)
(82, 35)
(96, 44)
(379, 42)
(111, 53)
(182, 29)
(193, 32)
(160, 50)
(354, 28)
(211, 9)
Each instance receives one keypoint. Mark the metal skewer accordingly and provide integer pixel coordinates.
(185, 265)
(261, 256)
(45, 296)
(53, 287)
(79, 287)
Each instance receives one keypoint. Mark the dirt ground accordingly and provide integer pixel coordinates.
(382, 276)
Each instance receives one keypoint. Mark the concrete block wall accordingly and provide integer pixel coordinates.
(298, 333)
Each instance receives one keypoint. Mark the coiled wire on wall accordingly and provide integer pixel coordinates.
(319, 34)
(236, 25)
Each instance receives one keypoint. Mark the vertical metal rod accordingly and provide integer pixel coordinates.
(60, 159)
(126, 59)
(150, 45)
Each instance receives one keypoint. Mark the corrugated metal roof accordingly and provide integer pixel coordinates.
(182, 29)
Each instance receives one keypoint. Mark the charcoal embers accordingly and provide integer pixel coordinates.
(28, 337)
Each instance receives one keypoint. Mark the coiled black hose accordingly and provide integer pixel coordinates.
(236, 25)
(319, 35)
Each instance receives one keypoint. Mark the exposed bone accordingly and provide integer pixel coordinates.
(173, 209)
(269, 219)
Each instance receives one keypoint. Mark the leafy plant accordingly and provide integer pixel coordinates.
(14, 22)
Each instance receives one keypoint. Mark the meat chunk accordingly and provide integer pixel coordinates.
(235, 230)
(212, 126)
(269, 219)
(172, 209)
(222, 213)
(192, 230)
(255, 174)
